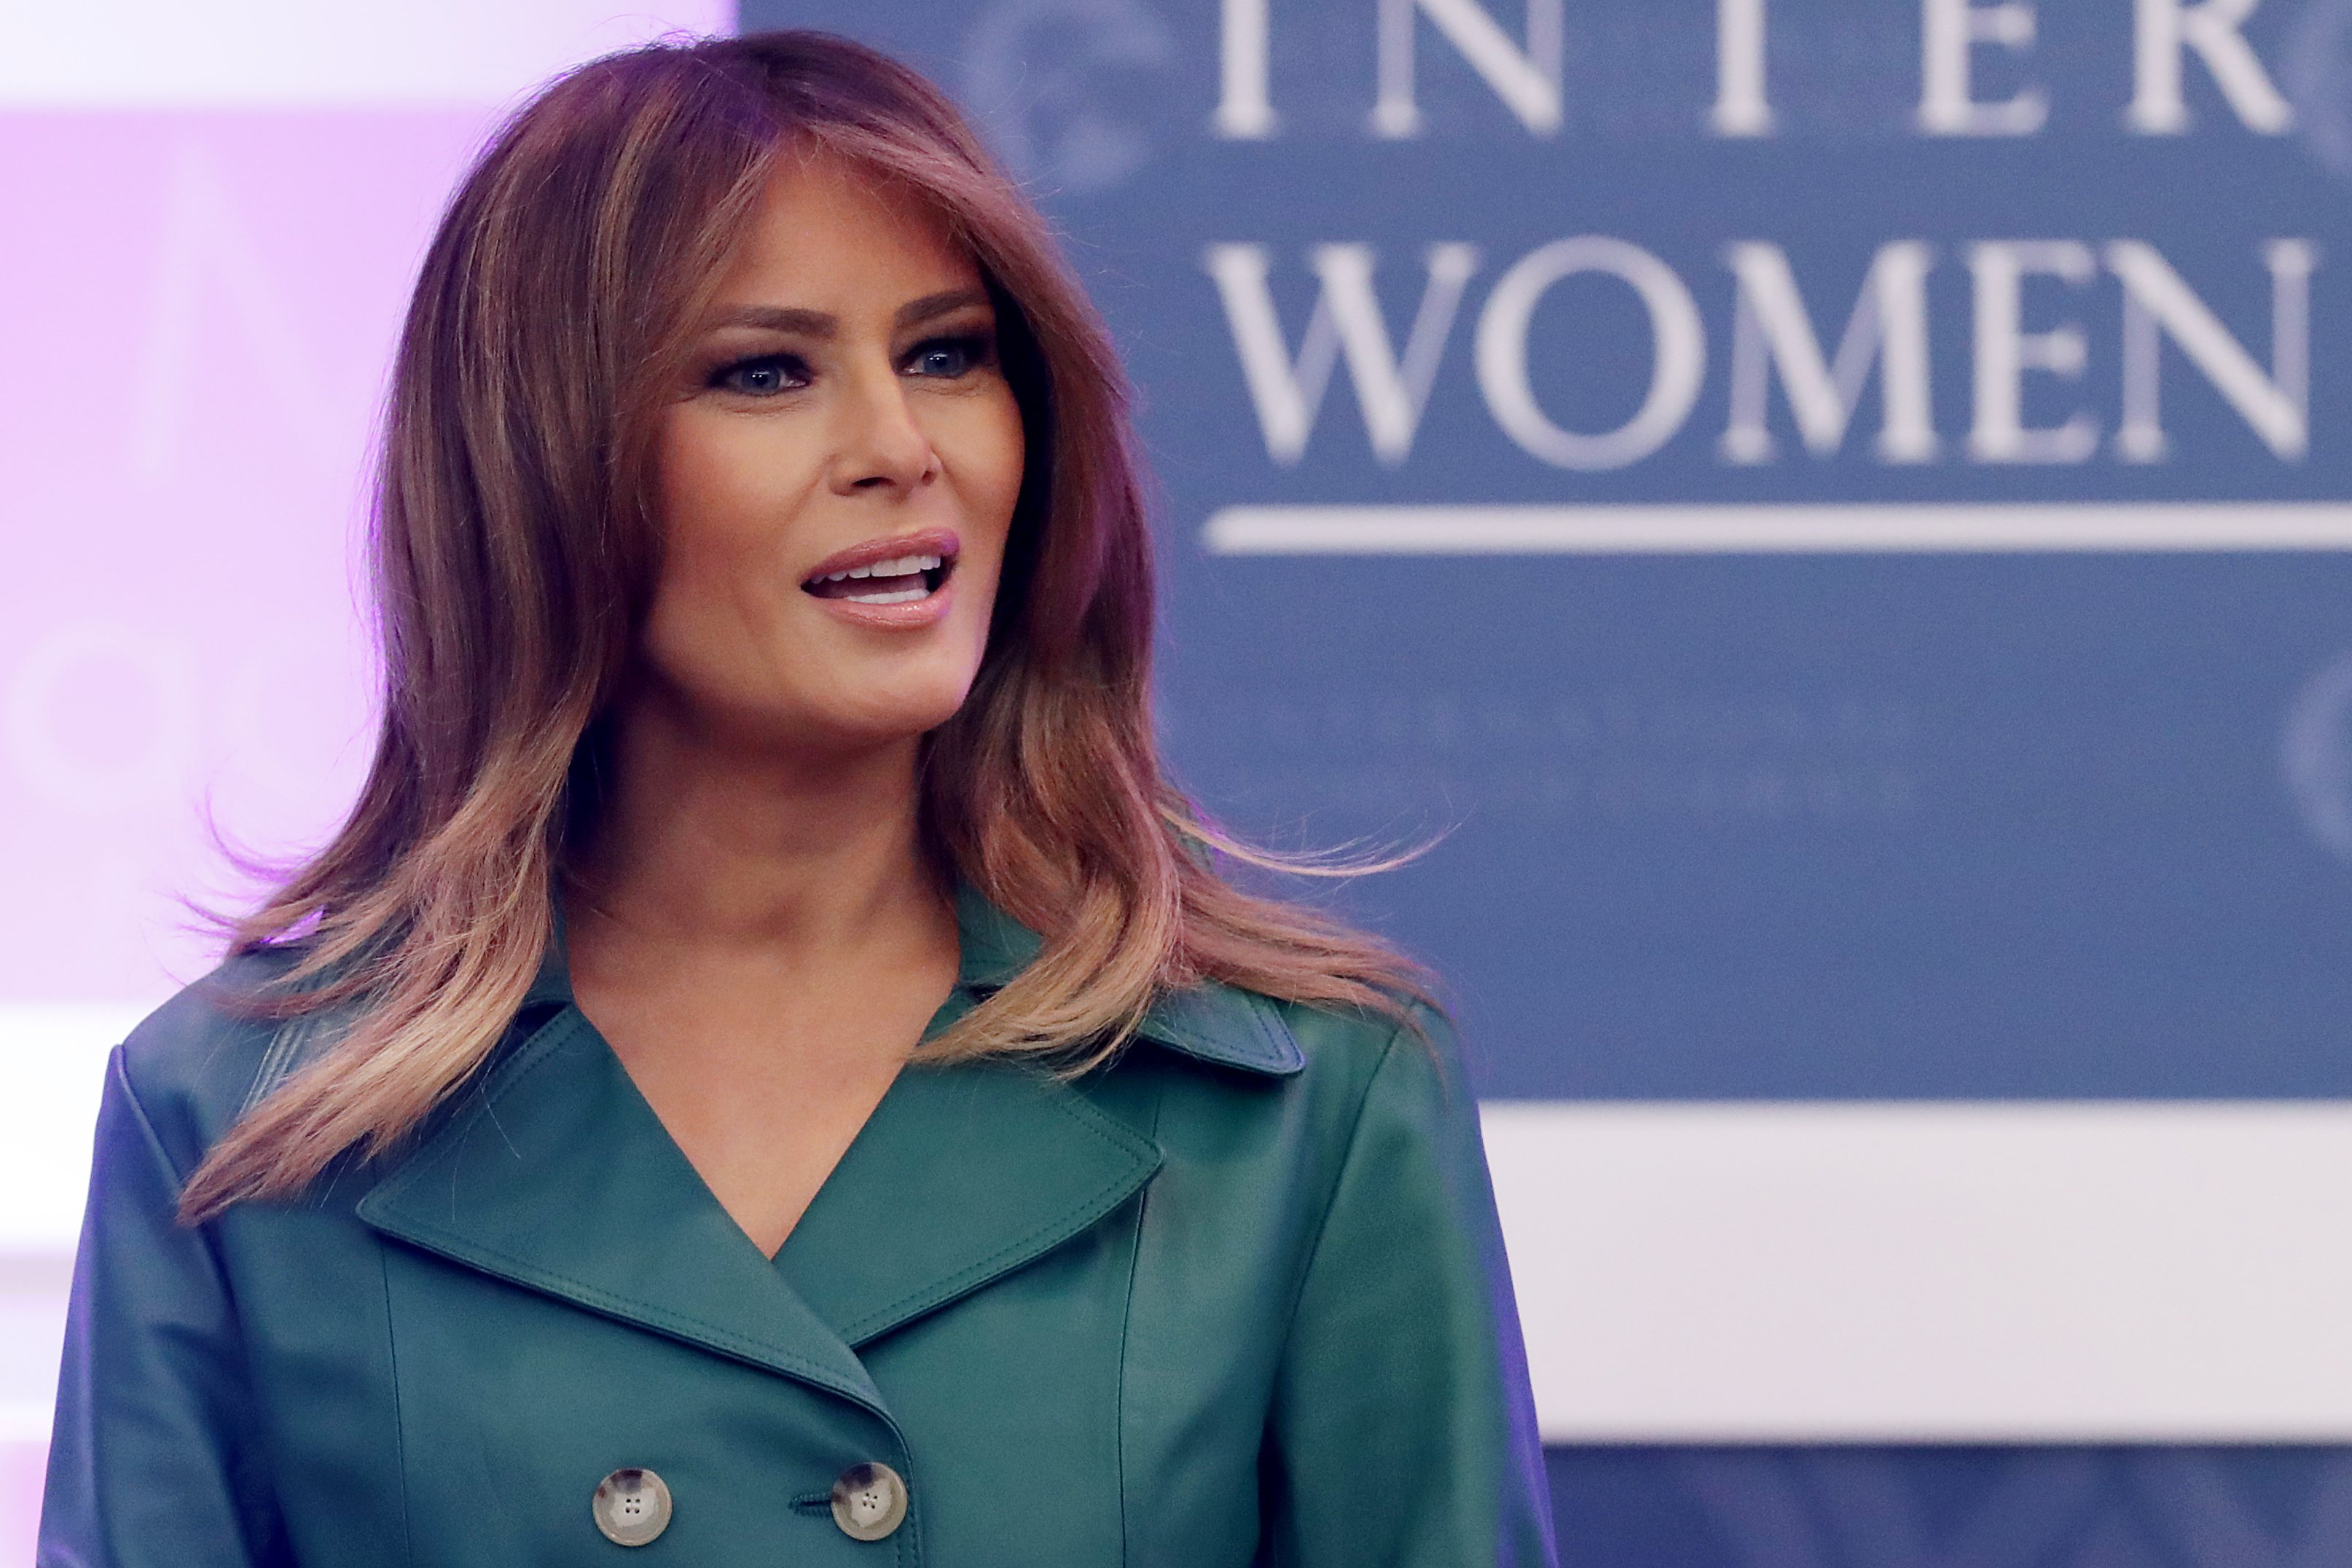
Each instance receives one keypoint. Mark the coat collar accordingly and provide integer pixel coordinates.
(963, 1174)
(556, 1174)
(1208, 1022)
(553, 1173)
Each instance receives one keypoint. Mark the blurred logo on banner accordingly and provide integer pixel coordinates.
(1064, 89)
(2317, 755)
(2316, 74)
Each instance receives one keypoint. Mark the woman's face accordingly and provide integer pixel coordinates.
(836, 478)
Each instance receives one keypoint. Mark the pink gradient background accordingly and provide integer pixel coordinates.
(22, 1468)
(213, 236)
(199, 309)
(198, 341)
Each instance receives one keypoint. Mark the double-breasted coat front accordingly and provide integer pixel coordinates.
(1236, 1297)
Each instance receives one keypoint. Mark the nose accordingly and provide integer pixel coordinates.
(879, 444)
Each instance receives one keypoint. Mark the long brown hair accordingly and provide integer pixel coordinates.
(514, 552)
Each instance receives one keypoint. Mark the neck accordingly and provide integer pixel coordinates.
(703, 842)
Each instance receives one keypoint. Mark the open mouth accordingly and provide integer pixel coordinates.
(898, 580)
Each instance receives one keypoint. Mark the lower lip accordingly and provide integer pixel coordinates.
(911, 615)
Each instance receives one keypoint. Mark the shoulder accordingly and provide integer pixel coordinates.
(191, 1064)
(1268, 1037)
(1394, 1153)
(1310, 1076)
(1389, 1077)
(1353, 1050)
(1372, 1139)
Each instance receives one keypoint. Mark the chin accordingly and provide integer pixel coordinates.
(902, 714)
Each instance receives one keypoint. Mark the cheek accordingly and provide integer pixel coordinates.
(718, 496)
(985, 448)
(706, 476)
(727, 491)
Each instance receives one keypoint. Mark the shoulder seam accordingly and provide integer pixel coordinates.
(119, 1066)
(1331, 1198)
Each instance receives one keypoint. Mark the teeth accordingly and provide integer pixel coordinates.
(905, 565)
(895, 597)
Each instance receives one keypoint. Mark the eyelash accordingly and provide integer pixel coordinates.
(978, 348)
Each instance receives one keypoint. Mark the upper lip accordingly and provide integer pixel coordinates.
(940, 542)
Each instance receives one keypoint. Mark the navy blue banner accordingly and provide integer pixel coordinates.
(1776, 783)
(1952, 1508)
(1808, 825)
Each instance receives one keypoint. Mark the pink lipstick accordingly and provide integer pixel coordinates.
(901, 581)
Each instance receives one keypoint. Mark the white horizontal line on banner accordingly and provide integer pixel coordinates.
(1894, 1273)
(1793, 530)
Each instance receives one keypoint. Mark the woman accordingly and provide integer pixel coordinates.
(769, 1071)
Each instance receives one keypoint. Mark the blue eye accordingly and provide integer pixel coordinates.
(949, 357)
(762, 377)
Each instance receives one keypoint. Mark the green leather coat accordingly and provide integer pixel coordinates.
(1237, 1298)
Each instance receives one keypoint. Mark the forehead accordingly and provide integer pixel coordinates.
(828, 232)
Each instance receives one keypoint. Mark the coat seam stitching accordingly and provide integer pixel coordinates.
(205, 1237)
(399, 1422)
(1338, 1180)
(285, 1043)
(1126, 1329)
(120, 1067)
(1275, 1055)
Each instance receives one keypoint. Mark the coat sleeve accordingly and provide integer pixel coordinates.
(151, 1463)
(1402, 1434)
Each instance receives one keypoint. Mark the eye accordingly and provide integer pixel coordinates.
(950, 357)
(763, 376)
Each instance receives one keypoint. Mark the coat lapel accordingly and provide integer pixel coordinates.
(966, 1174)
(1208, 1021)
(557, 1175)
(961, 1175)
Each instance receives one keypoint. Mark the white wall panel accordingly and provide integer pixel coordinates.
(1773, 1273)
(2010, 1272)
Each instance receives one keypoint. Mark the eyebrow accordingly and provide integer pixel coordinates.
(777, 319)
(821, 325)
(933, 306)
